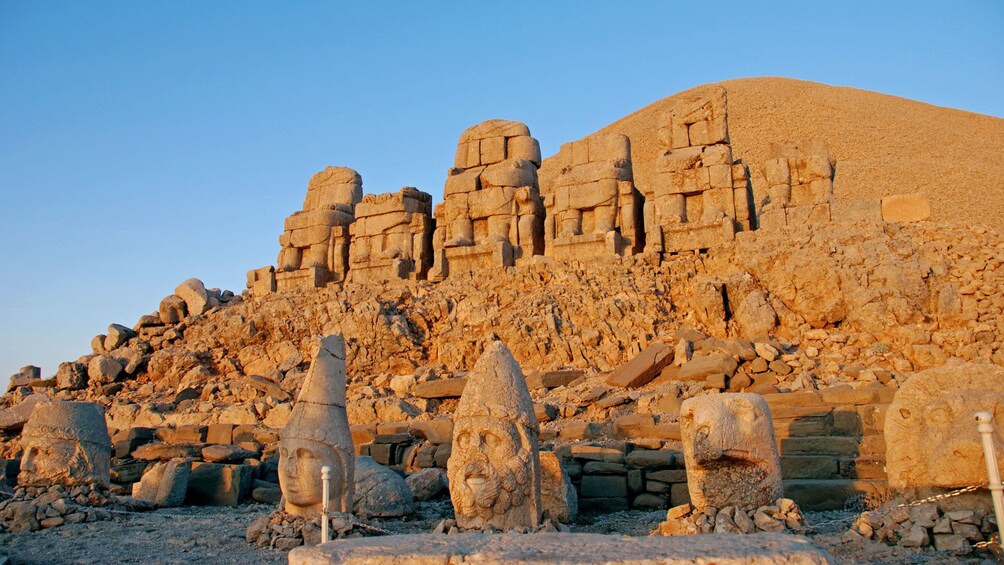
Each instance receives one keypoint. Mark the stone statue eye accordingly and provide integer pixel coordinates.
(939, 413)
(464, 439)
(492, 440)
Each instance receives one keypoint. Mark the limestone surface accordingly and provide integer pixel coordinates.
(494, 469)
(730, 451)
(930, 429)
(317, 435)
(65, 443)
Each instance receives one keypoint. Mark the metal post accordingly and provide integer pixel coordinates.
(985, 426)
(325, 487)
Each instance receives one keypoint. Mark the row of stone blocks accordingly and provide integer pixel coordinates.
(830, 443)
(496, 212)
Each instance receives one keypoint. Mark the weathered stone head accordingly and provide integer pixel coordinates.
(494, 468)
(317, 434)
(730, 451)
(65, 443)
(930, 427)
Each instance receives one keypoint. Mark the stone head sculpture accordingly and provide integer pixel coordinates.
(930, 427)
(317, 435)
(494, 468)
(65, 443)
(730, 451)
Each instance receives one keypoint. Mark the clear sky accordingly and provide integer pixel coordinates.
(142, 143)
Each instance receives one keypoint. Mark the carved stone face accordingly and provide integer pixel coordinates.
(930, 429)
(729, 447)
(491, 474)
(56, 461)
(300, 462)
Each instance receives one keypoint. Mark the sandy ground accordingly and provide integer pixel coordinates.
(215, 535)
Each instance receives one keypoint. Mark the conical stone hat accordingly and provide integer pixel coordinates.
(82, 422)
(319, 412)
(497, 389)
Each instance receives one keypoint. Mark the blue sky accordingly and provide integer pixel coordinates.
(143, 143)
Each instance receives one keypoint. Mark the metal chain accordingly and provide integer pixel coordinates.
(954, 493)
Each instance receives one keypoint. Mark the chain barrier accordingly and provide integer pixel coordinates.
(883, 511)
(988, 545)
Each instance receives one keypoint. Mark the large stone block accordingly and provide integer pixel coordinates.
(643, 368)
(906, 208)
(215, 484)
(930, 426)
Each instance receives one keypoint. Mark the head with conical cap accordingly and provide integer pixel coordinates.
(494, 467)
(317, 435)
(65, 443)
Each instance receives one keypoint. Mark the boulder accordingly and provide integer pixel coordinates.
(214, 484)
(643, 368)
(164, 484)
(379, 491)
(71, 376)
(426, 484)
(226, 453)
(194, 293)
(173, 309)
(442, 388)
(103, 369)
(117, 336)
(755, 315)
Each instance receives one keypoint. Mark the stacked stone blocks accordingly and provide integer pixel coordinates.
(391, 236)
(315, 243)
(594, 207)
(699, 196)
(491, 214)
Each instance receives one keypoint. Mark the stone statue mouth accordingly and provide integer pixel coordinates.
(475, 480)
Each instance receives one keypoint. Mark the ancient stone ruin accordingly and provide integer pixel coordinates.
(593, 207)
(65, 443)
(315, 243)
(699, 197)
(391, 236)
(491, 214)
(929, 428)
(799, 186)
(494, 468)
(317, 435)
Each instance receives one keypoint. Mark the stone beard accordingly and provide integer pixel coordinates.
(300, 462)
(491, 471)
(50, 461)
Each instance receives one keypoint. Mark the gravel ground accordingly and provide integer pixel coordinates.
(215, 535)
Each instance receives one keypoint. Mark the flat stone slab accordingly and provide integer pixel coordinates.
(441, 549)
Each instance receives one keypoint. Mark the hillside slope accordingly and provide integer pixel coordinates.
(882, 144)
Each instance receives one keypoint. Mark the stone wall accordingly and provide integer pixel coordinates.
(491, 214)
(391, 236)
(699, 196)
(315, 243)
(593, 207)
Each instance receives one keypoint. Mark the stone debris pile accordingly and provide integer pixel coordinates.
(926, 525)
(684, 520)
